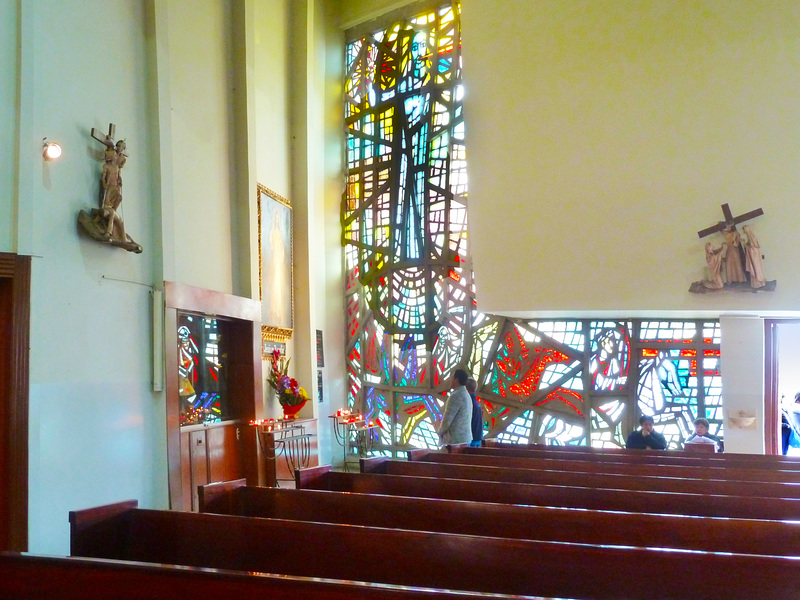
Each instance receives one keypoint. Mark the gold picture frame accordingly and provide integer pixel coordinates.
(275, 265)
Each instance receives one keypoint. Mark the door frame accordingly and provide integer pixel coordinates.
(15, 302)
(772, 403)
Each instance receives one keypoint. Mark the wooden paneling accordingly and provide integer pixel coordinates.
(198, 462)
(224, 452)
(212, 453)
(185, 471)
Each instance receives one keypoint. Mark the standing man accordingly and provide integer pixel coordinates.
(646, 437)
(456, 425)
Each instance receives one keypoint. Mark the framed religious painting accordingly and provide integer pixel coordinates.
(276, 273)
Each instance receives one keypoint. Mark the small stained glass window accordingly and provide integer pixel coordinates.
(202, 376)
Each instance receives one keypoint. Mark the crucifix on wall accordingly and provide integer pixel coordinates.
(737, 264)
(730, 221)
(105, 224)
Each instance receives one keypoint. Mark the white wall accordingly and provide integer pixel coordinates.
(96, 430)
(742, 365)
(603, 135)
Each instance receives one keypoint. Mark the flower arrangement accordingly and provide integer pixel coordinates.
(286, 388)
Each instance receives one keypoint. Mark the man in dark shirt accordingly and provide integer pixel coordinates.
(645, 437)
(477, 413)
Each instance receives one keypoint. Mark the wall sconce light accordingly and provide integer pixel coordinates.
(50, 150)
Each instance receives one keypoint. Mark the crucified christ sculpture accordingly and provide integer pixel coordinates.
(105, 223)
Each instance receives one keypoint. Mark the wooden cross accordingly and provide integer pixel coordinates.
(730, 221)
(108, 140)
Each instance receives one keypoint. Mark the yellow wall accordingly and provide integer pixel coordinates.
(603, 135)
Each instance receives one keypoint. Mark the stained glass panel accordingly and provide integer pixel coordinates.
(606, 425)
(202, 377)
(558, 432)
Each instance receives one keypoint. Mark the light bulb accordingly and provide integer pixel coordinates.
(51, 151)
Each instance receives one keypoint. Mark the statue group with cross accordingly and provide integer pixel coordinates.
(737, 264)
(105, 224)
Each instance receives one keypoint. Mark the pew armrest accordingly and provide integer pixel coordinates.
(418, 453)
(99, 532)
(310, 477)
(219, 496)
(375, 464)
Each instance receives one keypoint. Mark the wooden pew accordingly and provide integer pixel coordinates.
(742, 507)
(561, 472)
(633, 468)
(651, 456)
(745, 536)
(31, 577)
(434, 560)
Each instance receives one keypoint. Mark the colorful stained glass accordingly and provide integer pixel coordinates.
(610, 360)
(202, 380)
(410, 301)
(606, 424)
(558, 432)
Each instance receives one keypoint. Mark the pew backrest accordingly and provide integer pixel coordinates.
(649, 456)
(743, 507)
(447, 561)
(744, 536)
(587, 465)
(525, 470)
(32, 577)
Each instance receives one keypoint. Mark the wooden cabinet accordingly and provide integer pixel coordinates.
(216, 452)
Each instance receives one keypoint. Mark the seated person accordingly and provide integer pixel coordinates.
(645, 437)
(701, 435)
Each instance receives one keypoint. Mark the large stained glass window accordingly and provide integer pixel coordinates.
(410, 301)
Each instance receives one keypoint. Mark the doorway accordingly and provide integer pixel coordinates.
(15, 302)
(782, 376)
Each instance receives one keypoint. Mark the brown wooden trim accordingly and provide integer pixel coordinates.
(771, 402)
(209, 302)
(14, 395)
(173, 417)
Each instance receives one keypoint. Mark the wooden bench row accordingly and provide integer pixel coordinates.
(742, 507)
(745, 536)
(584, 464)
(31, 577)
(674, 457)
(422, 559)
(529, 470)
(508, 529)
